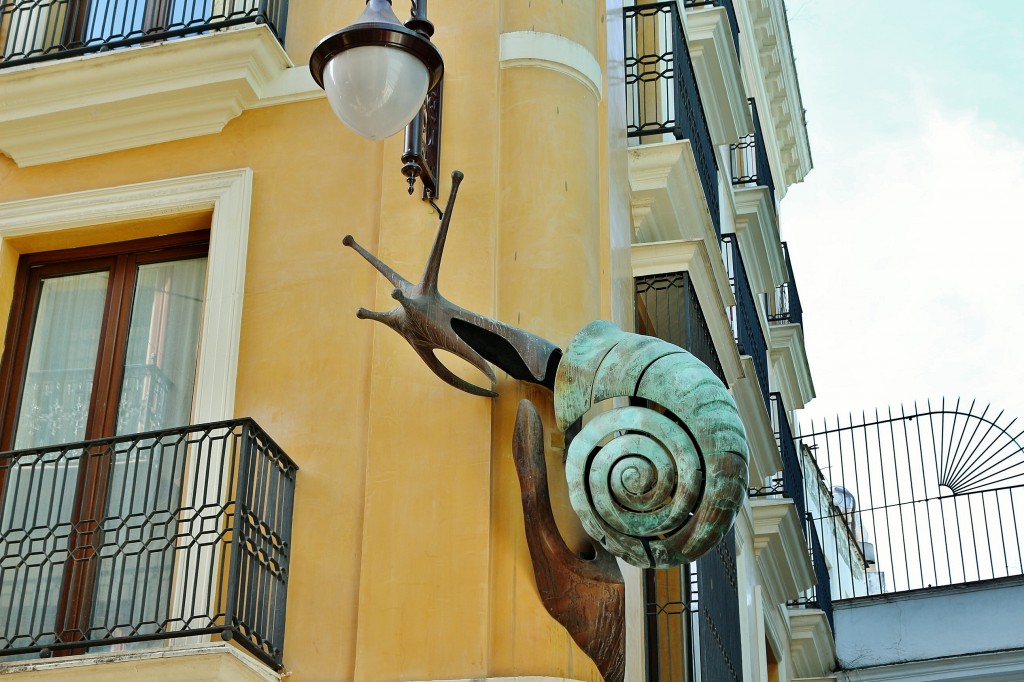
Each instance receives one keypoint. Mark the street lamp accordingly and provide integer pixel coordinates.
(381, 76)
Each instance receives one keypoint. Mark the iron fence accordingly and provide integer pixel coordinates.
(666, 306)
(662, 96)
(744, 315)
(931, 497)
(53, 29)
(787, 299)
(107, 544)
(734, 25)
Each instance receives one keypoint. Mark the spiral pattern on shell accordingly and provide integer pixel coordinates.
(657, 485)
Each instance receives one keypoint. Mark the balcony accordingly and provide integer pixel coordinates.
(750, 165)
(124, 543)
(787, 299)
(662, 97)
(745, 315)
(133, 73)
(790, 482)
(54, 29)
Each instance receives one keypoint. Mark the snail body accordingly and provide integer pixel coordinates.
(657, 484)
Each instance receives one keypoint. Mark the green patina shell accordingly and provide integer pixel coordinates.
(657, 485)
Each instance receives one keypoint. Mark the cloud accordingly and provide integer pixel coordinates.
(908, 256)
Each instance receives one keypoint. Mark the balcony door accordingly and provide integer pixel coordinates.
(101, 342)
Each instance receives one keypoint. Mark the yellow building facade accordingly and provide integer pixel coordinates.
(407, 556)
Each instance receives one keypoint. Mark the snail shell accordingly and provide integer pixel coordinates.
(657, 485)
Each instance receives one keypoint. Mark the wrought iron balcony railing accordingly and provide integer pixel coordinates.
(744, 315)
(662, 96)
(750, 158)
(667, 307)
(791, 482)
(729, 9)
(819, 596)
(53, 29)
(787, 299)
(110, 543)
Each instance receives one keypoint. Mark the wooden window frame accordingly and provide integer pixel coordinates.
(122, 260)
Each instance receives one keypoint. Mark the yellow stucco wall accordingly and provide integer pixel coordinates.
(409, 556)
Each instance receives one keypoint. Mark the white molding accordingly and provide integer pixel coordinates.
(765, 459)
(214, 662)
(717, 67)
(229, 195)
(1002, 666)
(757, 227)
(710, 282)
(772, 79)
(133, 97)
(811, 643)
(667, 197)
(789, 364)
(781, 549)
(554, 52)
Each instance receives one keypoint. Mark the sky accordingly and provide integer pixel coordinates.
(907, 237)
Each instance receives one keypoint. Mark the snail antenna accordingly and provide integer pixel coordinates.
(428, 283)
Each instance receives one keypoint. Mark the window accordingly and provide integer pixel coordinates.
(101, 341)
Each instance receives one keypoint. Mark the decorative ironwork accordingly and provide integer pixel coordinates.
(787, 299)
(667, 307)
(662, 96)
(54, 29)
(189, 535)
(744, 315)
(586, 595)
(729, 10)
(718, 603)
(819, 596)
(750, 158)
(932, 496)
(790, 483)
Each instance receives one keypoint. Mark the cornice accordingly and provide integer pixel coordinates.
(120, 99)
(789, 364)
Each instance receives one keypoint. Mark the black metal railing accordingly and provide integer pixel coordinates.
(666, 306)
(53, 29)
(750, 158)
(734, 25)
(931, 496)
(790, 482)
(111, 542)
(662, 96)
(819, 596)
(787, 299)
(718, 604)
(744, 315)
(692, 619)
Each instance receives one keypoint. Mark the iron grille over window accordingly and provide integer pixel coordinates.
(35, 30)
(667, 307)
(692, 611)
(190, 536)
(744, 315)
(661, 90)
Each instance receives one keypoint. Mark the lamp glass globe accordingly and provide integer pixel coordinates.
(375, 89)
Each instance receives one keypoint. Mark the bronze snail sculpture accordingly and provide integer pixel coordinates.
(656, 482)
